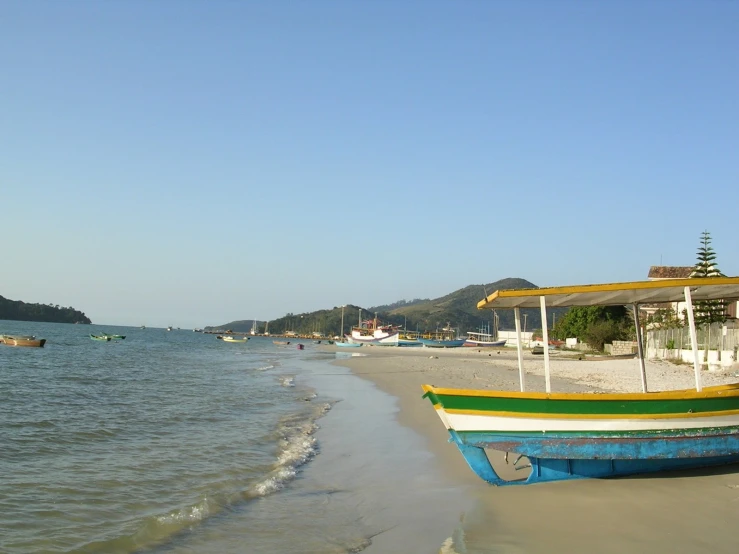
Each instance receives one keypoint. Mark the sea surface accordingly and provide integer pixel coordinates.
(174, 441)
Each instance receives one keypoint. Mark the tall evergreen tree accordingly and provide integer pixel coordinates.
(708, 311)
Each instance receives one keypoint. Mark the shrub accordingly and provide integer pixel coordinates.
(601, 332)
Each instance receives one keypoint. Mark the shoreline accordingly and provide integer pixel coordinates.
(607, 509)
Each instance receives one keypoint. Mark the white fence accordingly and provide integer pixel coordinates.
(721, 341)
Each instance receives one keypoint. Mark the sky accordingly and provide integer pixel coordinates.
(191, 163)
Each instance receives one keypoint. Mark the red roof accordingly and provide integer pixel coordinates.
(670, 272)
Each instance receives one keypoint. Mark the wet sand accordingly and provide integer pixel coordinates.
(693, 511)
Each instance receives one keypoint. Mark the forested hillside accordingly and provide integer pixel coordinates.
(458, 309)
(17, 310)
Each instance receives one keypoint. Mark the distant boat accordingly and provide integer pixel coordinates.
(482, 339)
(280, 342)
(22, 340)
(169, 328)
(371, 331)
(143, 326)
(446, 338)
(441, 343)
(100, 337)
(110, 336)
(234, 339)
(301, 346)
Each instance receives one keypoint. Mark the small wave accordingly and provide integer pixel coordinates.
(287, 381)
(454, 544)
(297, 447)
(191, 514)
(265, 368)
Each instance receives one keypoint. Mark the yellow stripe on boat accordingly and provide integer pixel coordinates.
(708, 392)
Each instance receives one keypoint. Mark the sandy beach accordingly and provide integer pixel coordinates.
(690, 511)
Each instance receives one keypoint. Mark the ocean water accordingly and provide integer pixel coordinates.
(178, 442)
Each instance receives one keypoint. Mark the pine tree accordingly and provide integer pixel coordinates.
(708, 311)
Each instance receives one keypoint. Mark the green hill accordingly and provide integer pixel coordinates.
(16, 310)
(459, 309)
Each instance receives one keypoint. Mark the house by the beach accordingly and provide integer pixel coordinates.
(660, 272)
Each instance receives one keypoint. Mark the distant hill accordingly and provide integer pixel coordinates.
(16, 310)
(459, 309)
(399, 304)
(240, 326)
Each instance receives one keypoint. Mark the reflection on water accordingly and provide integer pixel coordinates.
(343, 355)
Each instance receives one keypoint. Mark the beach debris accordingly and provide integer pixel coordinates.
(433, 357)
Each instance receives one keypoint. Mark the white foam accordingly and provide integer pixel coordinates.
(297, 447)
(191, 514)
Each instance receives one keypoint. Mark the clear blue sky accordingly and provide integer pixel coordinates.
(194, 162)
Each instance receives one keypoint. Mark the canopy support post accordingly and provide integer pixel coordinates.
(547, 378)
(639, 349)
(693, 339)
(519, 347)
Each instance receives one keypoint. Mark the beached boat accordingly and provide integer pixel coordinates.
(100, 337)
(371, 331)
(585, 435)
(234, 339)
(446, 338)
(482, 340)
(22, 340)
(348, 344)
(441, 343)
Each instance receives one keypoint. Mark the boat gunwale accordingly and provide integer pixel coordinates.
(683, 394)
(587, 416)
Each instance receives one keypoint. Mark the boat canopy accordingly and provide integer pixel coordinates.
(616, 294)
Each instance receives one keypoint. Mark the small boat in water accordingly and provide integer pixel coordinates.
(100, 337)
(234, 339)
(22, 340)
(301, 346)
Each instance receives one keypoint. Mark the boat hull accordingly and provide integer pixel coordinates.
(348, 344)
(388, 340)
(482, 343)
(431, 343)
(22, 341)
(573, 436)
